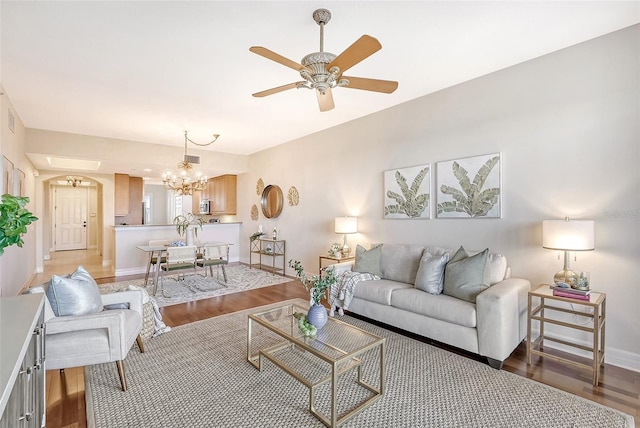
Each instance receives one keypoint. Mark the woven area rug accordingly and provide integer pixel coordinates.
(196, 287)
(197, 376)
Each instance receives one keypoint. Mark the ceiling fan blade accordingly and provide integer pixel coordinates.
(276, 57)
(325, 101)
(359, 50)
(276, 90)
(386, 86)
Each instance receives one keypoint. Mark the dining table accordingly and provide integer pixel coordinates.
(159, 250)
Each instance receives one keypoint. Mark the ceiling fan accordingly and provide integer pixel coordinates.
(322, 70)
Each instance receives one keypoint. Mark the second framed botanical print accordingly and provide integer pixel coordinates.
(469, 187)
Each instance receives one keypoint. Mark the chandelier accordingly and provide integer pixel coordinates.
(183, 183)
(74, 181)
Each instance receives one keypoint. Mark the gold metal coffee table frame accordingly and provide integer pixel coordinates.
(339, 344)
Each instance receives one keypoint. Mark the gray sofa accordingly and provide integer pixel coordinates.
(492, 324)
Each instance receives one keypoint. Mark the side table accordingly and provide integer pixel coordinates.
(332, 260)
(546, 307)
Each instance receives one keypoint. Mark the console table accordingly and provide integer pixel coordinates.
(22, 372)
(271, 248)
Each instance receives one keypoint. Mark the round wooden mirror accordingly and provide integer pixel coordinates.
(272, 200)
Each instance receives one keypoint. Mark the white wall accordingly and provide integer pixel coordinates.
(17, 265)
(567, 125)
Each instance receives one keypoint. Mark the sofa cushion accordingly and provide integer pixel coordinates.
(74, 294)
(496, 268)
(378, 291)
(430, 276)
(464, 275)
(368, 260)
(400, 262)
(440, 306)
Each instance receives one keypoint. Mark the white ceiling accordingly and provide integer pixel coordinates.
(148, 70)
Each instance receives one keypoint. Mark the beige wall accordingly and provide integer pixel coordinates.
(567, 125)
(568, 130)
(17, 265)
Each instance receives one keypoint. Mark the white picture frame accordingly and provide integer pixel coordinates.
(407, 193)
(469, 187)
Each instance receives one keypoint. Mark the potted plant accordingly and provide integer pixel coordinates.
(14, 219)
(317, 285)
(189, 224)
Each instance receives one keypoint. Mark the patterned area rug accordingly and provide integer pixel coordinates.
(197, 376)
(196, 287)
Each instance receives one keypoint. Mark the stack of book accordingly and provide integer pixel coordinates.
(571, 293)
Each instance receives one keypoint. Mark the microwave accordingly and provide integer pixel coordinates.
(205, 206)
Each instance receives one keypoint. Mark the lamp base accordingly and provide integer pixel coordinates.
(345, 250)
(567, 276)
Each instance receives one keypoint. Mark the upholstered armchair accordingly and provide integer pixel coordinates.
(102, 337)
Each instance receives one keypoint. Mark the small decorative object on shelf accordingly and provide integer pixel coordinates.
(256, 236)
(274, 234)
(335, 250)
(583, 281)
(317, 285)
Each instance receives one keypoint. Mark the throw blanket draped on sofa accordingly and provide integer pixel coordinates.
(341, 292)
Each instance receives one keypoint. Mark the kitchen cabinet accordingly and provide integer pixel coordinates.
(223, 194)
(121, 204)
(128, 196)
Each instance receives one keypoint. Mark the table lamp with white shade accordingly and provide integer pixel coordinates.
(346, 225)
(568, 235)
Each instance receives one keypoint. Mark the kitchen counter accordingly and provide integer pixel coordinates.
(130, 261)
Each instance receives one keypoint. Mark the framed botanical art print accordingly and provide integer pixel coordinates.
(19, 183)
(7, 176)
(469, 187)
(407, 193)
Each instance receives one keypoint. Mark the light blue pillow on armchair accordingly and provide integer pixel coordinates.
(74, 294)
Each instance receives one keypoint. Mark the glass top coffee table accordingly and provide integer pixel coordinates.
(320, 361)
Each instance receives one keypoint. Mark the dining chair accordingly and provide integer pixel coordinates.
(178, 259)
(153, 259)
(215, 254)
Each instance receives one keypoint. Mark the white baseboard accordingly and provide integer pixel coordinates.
(614, 356)
(130, 271)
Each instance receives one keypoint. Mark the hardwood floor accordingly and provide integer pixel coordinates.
(618, 388)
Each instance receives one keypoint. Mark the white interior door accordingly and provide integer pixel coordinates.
(71, 218)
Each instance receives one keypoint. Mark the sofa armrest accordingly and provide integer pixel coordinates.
(132, 297)
(339, 268)
(502, 317)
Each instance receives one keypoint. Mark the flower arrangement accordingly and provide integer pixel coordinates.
(316, 284)
(183, 222)
(335, 250)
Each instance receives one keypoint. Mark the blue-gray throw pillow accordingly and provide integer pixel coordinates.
(74, 294)
(464, 276)
(430, 276)
(368, 261)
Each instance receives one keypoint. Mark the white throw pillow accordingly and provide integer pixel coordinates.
(430, 276)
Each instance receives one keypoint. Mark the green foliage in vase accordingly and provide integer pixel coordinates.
(472, 199)
(183, 222)
(317, 284)
(14, 219)
(410, 202)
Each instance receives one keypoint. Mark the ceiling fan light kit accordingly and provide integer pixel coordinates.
(322, 70)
